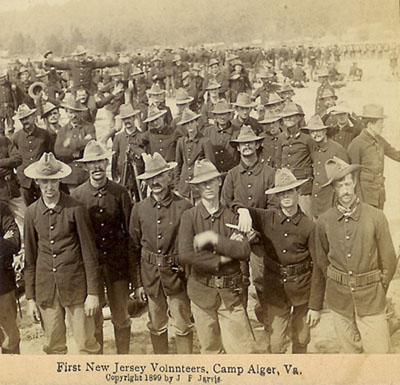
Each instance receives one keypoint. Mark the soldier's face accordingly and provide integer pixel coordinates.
(28, 121)
(214, 94)
(73, 116)
(214, 69)
(48, 187)
(318, 136)
(159, 183)
(129, 123)
(24, 76)
(243, 112)
(209, 190)
(291, 121)
(342, 118)
(53, 117)
(80, 58)
(191, 127)
(158, 123)
(345, 190)
(97, 170)
(329, 102)
(377, 126)
(222, 118)
(288, 199)
(248, 149)
(81, 96)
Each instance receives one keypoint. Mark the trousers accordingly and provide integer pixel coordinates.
(9, 332)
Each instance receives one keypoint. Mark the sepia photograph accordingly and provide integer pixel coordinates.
(199, 191)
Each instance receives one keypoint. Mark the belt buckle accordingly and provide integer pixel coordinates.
(219, 282)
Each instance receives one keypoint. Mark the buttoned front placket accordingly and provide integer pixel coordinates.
(103, 216)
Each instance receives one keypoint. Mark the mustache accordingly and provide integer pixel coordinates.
(155, 185)
(97, 169)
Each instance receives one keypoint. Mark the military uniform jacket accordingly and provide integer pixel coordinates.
(8, 247)
(154, 228)
(79, 136)
(7, 106)
(109, 210)
(60, 253)
(369, 151)
(322, 198)
(8, 181)
(288, 241)
(356, 244)
(30, 147)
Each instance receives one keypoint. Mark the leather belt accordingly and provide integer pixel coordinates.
(160, 260)
(288, 270)
(233, 281)
(353, 280)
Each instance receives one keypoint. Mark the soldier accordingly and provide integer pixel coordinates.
(323, 78)
(29, 144)
(238, 80)
(156, 98)
(324, 149)
(218, 76)
(245, 184)
(178, 69)
(71, 141)
(369, 149)
(183, 102)
(220, 134)
(327, 100)
(51, 117)
(214, 252)
(10, 244)
(61, 271)
(154, 228)
(156, 75)
(355, 252)
(294, 294)
(191, 147)
(294, 152)
(244, 105)
(299, 76)
(271, 129)
(213, 92)
(267, 78)
(22, 88)
(109, 206)
(7, 103)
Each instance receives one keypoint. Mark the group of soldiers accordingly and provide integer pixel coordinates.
(234, 189)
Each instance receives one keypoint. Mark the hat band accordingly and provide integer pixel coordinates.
(211, 173)
(50, 170)
(156, 170)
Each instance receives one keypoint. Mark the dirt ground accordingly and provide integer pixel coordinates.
(377, 87)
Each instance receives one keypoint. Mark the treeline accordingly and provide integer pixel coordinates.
(115, 25)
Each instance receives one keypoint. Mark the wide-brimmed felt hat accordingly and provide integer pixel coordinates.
(324, 73)
(237, 62)
(47, 108)
(203, 171)
(290, 109)
(80, 50)
(244, 100)
(213, 62)
(94, 151)
(22, 70)
(273, 98)
(221, 107)
(285, 87)
(136, 71)
(196, 67)
(266, 74)
(373, 111)
(156, 58)
(337, 169)
(340, 108)
(47, 53)
(72, 104)
(24, 111)
(269, 117)
(188, 116)
(47, 167)
(42, 74)
(314, 124)
(213, 85)
(182, 97)
(284, 181)
(176, 58)
(154, 165)
(232, 57)
(126, 111)
(155, 90)
(154, 113)
(328, 93)
(246, 134)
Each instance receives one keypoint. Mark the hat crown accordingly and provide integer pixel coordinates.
(48, 107)
(315, 123)
(154, 163)
(290, 109)
(373, 110)
(205, 167)
(181, 94)
(94, 149)
(213, 84)
(213, 61)
(247, 134)
(48, 164)
(177, 57)
(274, 98)
(222, 107)
(188, 115)
(153, 110)
(126, 110)
(243, 99)
(334, 166)
(284, 177)
(341, 107)
(270, 116)
(155, 90)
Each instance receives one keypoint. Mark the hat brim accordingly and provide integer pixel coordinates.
(373, 116)
(314, 128)
(45, 113)
(341, 174)
(288, 187)
(154, 117)
(269, 121)
(221, 112)
(213, 88)
(151, 174)
(134, 113)
(149, 92)
(184, 101)
(234, 142)
(205, 177)
(26, 115)
(250, 105)
(73, 108)
(181, 123)
(95, 158)
(330, 96)
(31, 172)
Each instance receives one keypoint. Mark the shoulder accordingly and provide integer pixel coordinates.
(116, 188)
(183, 203)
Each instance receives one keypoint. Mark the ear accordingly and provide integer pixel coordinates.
(258, 145)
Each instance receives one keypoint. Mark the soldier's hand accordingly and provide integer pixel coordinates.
(140, 294)
(91, 305)
(224, 259)
(33, 311)
(204, 239)
(313, 317)
(245, 222)
(237, 237)
(9, 234)
(118, 89)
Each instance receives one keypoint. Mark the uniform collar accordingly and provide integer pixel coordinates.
(296, 135)
(254, 169)
(355, 215)
(369, 137)
(227, 130)
(205, 214)
(294, 219)
(165, 202)
(195, 139)
(30, 133)
(95, 191)
(57, 208)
